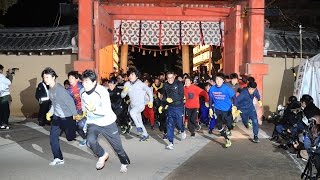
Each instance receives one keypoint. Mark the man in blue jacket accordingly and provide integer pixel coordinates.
(244, 103)
(221, 97)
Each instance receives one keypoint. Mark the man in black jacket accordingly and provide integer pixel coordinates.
(173, 95)
(42, 95)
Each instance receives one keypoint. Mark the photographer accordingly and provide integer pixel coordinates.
(312, 142)
(309, 108)
(5, 99)
(290, 120)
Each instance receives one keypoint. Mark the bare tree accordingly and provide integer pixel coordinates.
(6, 4)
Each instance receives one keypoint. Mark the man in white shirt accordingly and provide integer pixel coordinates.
(4, 99)
(101, 120)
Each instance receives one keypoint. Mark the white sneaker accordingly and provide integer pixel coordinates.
(183, 135)
(102, 160)
(56, 162)
(170, 146)
(123, 168)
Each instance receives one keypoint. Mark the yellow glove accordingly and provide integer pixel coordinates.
(77, 117)
(125, 89)
(206, 104)
(211, 113)
(184, 99)
(160, 109)
(150, 105)
(48, 116)
(235, 112)
(260, 103)
(169, 100)
(234, 109)
(90, 107)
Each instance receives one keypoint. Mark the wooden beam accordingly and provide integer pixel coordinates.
(85, 30)
(168, 18)
(167, 11)
(211, 2)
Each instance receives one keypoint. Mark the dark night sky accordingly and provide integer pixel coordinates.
(35, 13)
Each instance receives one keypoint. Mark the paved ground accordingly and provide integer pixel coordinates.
(25, 153)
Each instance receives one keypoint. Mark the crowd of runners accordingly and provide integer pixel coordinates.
(173, 103)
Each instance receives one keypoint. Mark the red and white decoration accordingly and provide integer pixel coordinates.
(172, 33)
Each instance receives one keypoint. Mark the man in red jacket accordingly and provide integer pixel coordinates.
(192, 93)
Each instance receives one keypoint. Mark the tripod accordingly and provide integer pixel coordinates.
(307, 172)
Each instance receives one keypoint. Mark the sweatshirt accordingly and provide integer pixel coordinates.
(100, 99)
(137, 93)
(192, 94)
(62, 103)
(245, 101)
(221, 97)
(4, 85)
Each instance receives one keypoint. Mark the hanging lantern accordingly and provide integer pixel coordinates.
(166, 53)
(155, 54)
(171, 50)
(177, 51)
(149, 51)
(144, 52)
(161, 52)
(139, 49)
(132, 49)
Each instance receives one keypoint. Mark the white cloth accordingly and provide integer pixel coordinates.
(4, 86)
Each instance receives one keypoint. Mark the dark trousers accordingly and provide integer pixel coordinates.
(122, 116)
(224, 118)
(58, 124)
(246, 115)
(44, 108)
(4, 110)
(175, 117)
(110, 132)
(162, 120)
(192, 119)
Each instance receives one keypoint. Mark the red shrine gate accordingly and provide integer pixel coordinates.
(242, 37)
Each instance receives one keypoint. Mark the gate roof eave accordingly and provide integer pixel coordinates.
(168, 11)
(169, 2)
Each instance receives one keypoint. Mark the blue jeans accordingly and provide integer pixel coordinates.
(175, 117)
(246, 115)
(58, 124)
(280, 128)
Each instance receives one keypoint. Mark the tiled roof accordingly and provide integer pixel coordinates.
(288, 42)
(39, 39)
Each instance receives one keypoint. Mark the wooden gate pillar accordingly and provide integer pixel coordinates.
(185, 59)
(124, 57)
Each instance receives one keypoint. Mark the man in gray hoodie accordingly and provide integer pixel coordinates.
(140, 95)
(62, 111)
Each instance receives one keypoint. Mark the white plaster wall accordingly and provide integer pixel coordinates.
(279, 83)
(25, 80)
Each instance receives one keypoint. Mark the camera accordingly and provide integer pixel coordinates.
(12, 71)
